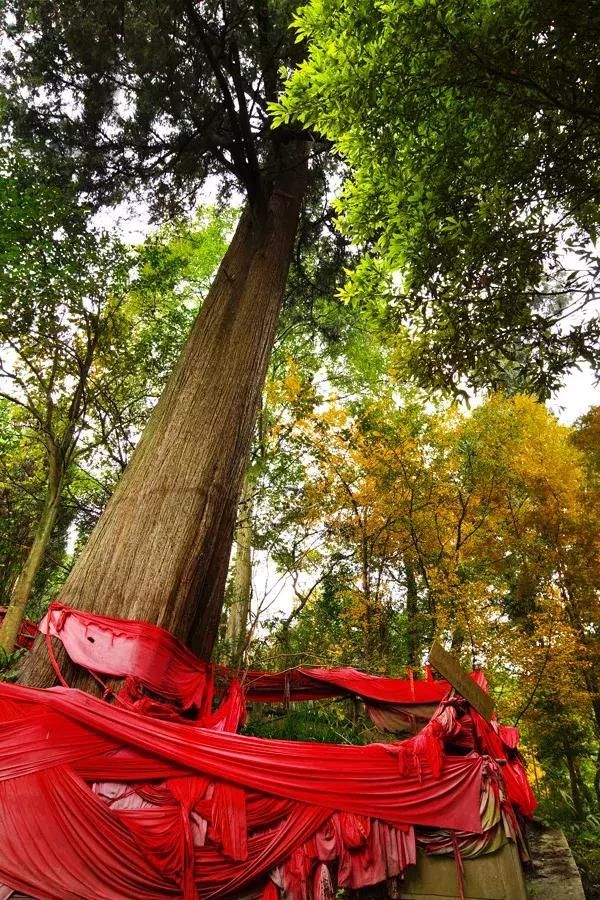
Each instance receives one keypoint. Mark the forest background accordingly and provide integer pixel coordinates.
(400, 475)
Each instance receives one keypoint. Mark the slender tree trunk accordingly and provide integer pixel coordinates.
(161, 548)
(590, 678)
(458, 639)
(587, 796)
(593, 689)
(575, 790)
(237, 620)
(413, 649)
(9, 630)
(366, 592)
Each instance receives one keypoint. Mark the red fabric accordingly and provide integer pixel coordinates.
(270, 891)
(127, 648)
(27, 631)
(61, 726)
(95, 851)
(384, 690)
(500, 742)
(269, 798)
(313, 684)
(141, 799)
(124, 647)
(322, 884)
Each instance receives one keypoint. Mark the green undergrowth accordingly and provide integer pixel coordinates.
(329, 722)
(584, 841)
(9, 664)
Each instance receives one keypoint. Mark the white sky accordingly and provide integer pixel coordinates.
(576, 396)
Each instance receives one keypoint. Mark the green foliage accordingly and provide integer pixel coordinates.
(585, 845)
(325, 722)
(22, 482)
(157, 97)
(470, 131)
(9, 664)
(60, 285)
(169, 277)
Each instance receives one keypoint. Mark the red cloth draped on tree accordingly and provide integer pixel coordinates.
(155, 795)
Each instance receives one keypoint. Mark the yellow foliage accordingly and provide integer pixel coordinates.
(491, 510)
(292, 381)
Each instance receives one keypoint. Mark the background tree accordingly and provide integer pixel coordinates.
(238, 610)
(401, 525)
(58, 288)
(22, 480)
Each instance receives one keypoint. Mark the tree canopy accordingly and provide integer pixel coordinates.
(471, 134)
(155, 93)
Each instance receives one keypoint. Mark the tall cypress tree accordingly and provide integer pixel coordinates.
(164, 94)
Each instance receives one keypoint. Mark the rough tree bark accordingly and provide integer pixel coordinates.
(161, 548)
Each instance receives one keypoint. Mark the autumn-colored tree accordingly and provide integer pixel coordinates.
(470, 528)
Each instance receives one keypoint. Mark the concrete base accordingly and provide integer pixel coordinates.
(553, 874)
(495, 876)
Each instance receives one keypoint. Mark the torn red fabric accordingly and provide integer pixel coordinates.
(501, 742)
(155, 795)
(128, 648)
(27, 631)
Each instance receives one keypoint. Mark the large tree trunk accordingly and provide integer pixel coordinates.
(9, 630)
(161, 548)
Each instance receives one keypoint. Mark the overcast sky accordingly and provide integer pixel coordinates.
(576, 397)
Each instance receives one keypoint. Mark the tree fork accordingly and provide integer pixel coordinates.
(160, 549)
